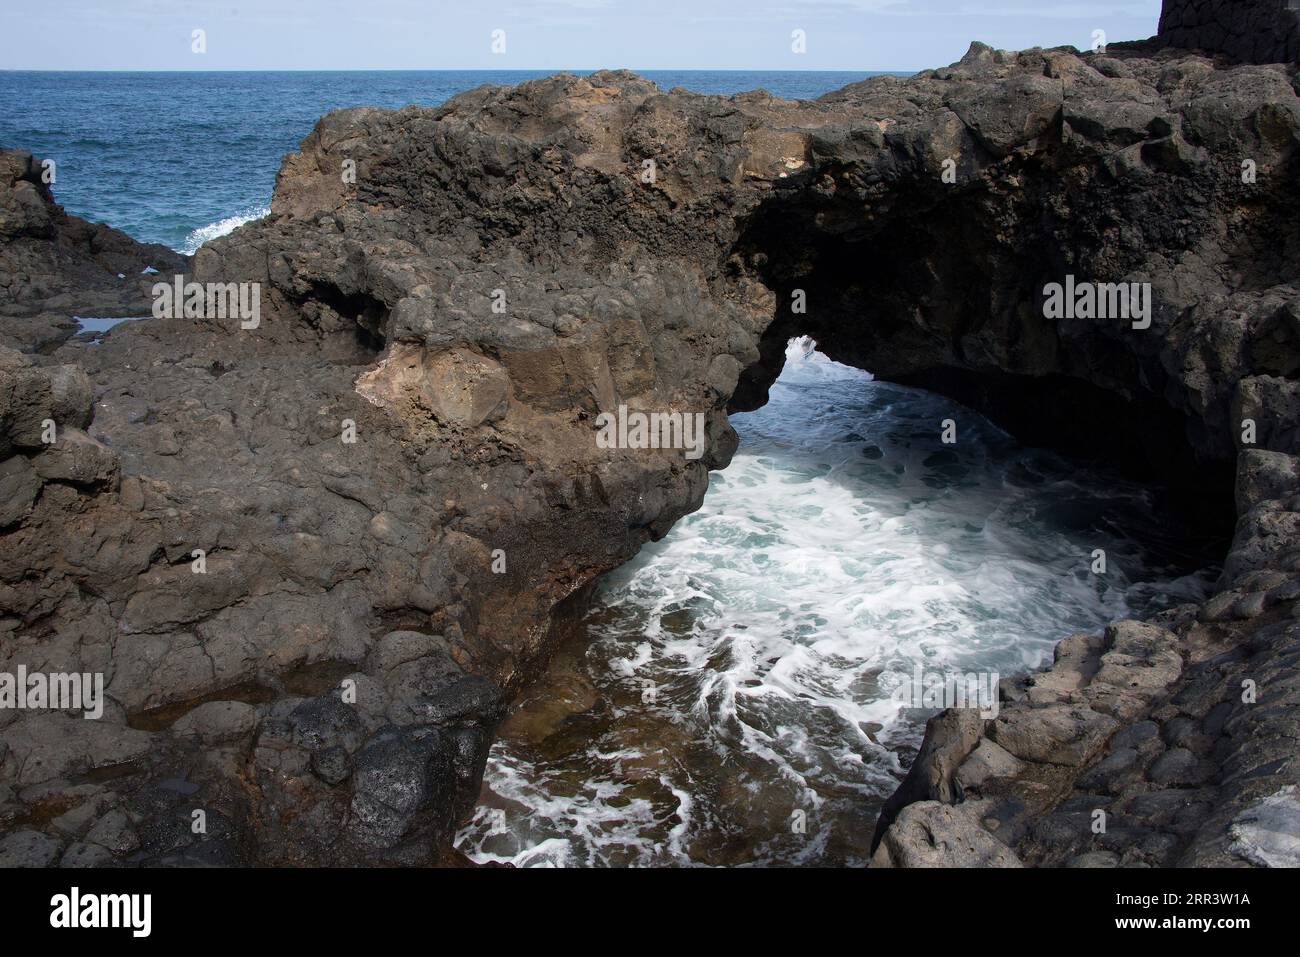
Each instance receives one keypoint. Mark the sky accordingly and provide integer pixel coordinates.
(855, 35)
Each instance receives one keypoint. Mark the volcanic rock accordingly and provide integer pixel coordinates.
(366, 520)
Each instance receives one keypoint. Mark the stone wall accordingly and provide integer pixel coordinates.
(1256, 31)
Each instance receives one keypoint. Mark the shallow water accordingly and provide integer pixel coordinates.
(100, 326)
(733, 704)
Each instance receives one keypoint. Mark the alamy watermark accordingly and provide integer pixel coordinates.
(940, 689)
(214, 300)
(1130, 301)
(57, 690)
(74, 910)
(652, 430)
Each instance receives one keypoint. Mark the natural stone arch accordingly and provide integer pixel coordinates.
(375, 558)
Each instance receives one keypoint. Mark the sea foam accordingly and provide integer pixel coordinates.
(844, 547)
(222, 227)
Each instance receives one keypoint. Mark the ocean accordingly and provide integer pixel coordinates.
(181, 158)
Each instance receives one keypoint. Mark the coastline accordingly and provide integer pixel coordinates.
(393, 575)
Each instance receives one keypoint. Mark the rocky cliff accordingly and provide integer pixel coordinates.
(315, 557)
(1253, 31)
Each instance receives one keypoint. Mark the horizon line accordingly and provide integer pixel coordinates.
(521, 69)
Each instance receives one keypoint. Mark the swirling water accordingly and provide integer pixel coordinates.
(733, 705)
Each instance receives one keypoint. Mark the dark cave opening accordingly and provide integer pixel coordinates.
(358, 316)
(926, 292)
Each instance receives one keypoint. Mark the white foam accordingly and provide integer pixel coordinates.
(593, 821)
(222, 227)
(843, 546)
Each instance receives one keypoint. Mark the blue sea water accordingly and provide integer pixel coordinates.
(178, 158)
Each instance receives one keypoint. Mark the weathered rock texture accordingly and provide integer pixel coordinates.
(54, 266)
(504, 269)
(1253, 31)
(1148, 745)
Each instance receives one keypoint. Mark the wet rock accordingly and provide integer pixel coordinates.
(1160, 807)
(466, 697)
(950, 737)
(1158, 849)
(403, 785)
(1181, 732)
(1213, 722)
(76, 822)
(469, 754)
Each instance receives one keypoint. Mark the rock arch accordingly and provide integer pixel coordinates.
(477, 428)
